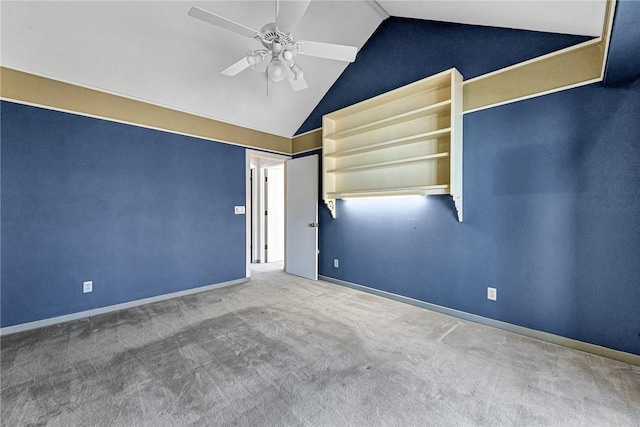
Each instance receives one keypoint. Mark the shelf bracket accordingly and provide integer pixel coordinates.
(331, 204)
(457, 201)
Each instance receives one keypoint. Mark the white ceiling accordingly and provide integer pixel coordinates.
(153, 51)
(563, 16)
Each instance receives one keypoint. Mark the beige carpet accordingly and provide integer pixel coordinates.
(280, 350)
(266, 267)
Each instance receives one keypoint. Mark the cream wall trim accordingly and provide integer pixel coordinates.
(550, 91)
(309, 131)
(307, 141)
(102, 310)
(545, 74)
(606, 32)
(560, 52)
(49, 93)
(564, 69)
(621, 356)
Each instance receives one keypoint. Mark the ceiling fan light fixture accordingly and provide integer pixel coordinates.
(254, 58)
(276, 70)
(276, 48)
(297, 71)
(280, 49)
(287, 55)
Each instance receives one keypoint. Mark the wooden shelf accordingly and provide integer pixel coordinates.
(397, 191)
(389, 163)
(400, 118)
(390, 143)
(407, 141)
(441, 80)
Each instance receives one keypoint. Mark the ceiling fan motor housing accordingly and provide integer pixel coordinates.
(270, 34)
(282, 48)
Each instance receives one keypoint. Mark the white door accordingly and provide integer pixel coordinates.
(301, 218)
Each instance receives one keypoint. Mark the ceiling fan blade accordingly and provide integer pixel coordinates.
(236, 67)
(219, 21)
(290, 14)
(328, 50)
(297, 85)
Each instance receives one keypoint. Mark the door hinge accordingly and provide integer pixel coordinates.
(265, 213)
(265, 247)
(266, 178)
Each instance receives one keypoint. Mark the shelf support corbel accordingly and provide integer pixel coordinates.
(331, 204)
(457, 201)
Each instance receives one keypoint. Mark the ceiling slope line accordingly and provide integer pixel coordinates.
(378, 8)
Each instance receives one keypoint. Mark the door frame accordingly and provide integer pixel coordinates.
(259, 157)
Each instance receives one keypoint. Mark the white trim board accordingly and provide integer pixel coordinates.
(620, 356)
(108, 309)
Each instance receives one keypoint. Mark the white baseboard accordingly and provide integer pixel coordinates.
(621, 356)
(94, 312)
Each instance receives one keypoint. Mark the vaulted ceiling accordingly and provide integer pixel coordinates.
(153, 51)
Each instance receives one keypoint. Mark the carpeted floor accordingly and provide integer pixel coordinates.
(266, 267)
(280, 350)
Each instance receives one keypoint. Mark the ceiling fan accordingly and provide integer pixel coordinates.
(279, 47)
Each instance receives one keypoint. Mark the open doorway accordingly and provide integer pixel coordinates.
(265, 212)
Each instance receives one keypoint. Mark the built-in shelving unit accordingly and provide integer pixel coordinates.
(404, 142)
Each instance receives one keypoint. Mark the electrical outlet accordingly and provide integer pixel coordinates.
(238, 210)
(336, 264)
(492, 294)
(87, 287)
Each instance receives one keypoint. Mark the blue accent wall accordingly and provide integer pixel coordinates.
(403, 50)
(623, 62)
(139, 212)
(551, 199)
